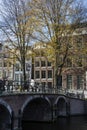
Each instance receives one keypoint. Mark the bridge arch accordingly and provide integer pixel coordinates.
(62, 106)
(5, 115)
(60, 97)
(36, 108)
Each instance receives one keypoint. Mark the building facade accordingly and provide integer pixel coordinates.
(75, 69)
(6, 68)
(43, 71)
(74, 72)
(11, 70)
(18, 73)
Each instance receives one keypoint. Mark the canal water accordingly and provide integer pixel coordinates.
(70, 123)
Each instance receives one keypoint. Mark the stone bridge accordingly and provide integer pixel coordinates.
(15, 108)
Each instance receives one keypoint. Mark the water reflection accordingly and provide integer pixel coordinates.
(72, 123)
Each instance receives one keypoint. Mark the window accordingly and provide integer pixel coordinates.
(79, 82)
(0, 47)
(10, 64)
(43, 63)
(17, 77)
(5, 64)
(0, 64)
(0, 74)
(17, 67)
(6, 55)
(60, 60)
(21, 77)
(37, 74)
(9, 73)
(37, 63)
(59, 81)
(69, 62)
(69, 81)
(49, 63)
(1, 55)
(43, 74)
(49, 73)
(79, 42)
(79, 61)
(28, 67)
(4, 74)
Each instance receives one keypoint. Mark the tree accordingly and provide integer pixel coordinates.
(57, 20)
(16, 27)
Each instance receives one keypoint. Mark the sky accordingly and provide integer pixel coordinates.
(84, 1)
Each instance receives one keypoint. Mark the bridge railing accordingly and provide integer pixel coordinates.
(15, 87)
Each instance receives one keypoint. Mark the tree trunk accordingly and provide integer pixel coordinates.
(24, 73)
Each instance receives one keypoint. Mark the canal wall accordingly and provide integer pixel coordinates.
(77, 107)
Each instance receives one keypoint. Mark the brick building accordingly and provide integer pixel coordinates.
(74, 74)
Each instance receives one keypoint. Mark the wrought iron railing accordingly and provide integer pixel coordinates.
(19, 87)
(27, 87)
